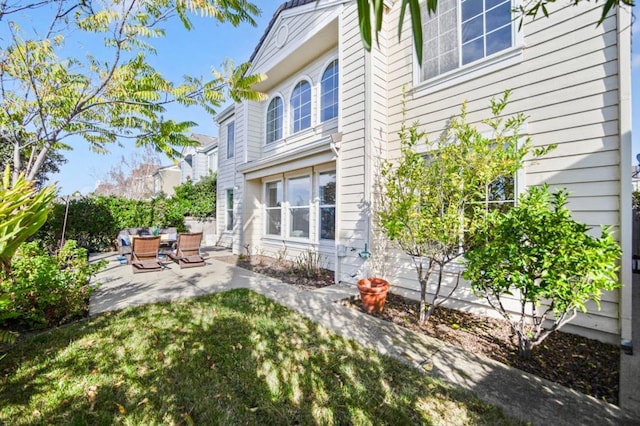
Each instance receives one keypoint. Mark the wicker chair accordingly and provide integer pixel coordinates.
(144, 254)
(187, 253)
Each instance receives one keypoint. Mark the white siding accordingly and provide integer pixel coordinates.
(566, 84)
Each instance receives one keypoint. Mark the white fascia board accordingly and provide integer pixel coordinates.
(225, 114)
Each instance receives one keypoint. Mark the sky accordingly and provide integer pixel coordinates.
(180, 52)
(195, 52)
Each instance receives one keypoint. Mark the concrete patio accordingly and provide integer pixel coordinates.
(520, 394)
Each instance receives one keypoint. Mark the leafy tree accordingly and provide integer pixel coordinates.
(539, 255)
(115, 94)
(433, 194)
(198, 199)
(23, 210)
(51, 164)
(375, 8)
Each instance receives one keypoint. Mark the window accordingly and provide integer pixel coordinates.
(212, 161)
(329, 92)
(301, 106)
(299, 197)
(464, 31)
(273, 208)
(500, 194)
(327, 193)
(274, 120)
(229, 219)
(231, 139)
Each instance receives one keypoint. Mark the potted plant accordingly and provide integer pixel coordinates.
(373, 293)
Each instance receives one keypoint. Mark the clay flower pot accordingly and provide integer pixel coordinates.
(373, 293)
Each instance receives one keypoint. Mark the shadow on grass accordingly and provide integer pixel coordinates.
(230, 358)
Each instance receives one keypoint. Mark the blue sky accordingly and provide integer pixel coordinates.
(195, 52)
(181, 52)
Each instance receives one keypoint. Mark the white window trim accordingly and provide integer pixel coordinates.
(484, 66)
(287, 203)
(227, 209)
(318, 205)
(300, 79)
(323, 69)
(231, 153)
(284, 115)
(265, 233)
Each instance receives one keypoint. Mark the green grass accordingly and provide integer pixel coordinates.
(229, 358)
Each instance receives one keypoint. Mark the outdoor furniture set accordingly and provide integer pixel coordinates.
(146, 256)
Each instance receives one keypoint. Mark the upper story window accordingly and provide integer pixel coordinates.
(231, 139)
(329, 92)
(301, 106)
(274, 120)
(465, 31)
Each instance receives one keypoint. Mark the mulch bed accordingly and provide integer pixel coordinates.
(582, 364)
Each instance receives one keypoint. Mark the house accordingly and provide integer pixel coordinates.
(199, 161)
(165, 179)
(297, 172)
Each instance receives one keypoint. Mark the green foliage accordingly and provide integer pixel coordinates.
(94, 222)
(537, 253)
(23, 210)
(198, 199)
(433, 194)
(367, 8)
(48, 97)
(47, 290)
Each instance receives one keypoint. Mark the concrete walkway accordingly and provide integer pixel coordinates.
(520, 394)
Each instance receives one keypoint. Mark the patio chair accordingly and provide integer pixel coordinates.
(144, 254)
(187, 252)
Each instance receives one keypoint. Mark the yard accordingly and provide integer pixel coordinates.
(228, 358)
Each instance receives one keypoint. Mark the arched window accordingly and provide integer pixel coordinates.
(329, 92)
(274, 120)
(301, 106)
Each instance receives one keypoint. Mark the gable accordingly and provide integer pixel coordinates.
(296, 37)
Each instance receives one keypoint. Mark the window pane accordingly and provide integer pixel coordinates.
(490, 4)
(498, 17)
(502, 189)
(274, 120)
(274, 221)
(299, 191)
(328, 223)
(499, 40)
(472, 29)
(329, 92)
(327, 182)
(229, 209)
(300, 222)
(274, 194)
(301, 106)
(230, 140)
(471, 8)
(472, 51)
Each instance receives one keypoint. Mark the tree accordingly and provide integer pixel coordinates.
(538, 254)
(132, 178)
(116, 93)
(51, 164)
(375, 8)
(435, 193)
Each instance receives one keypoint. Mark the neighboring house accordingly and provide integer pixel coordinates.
(137, 184)
(165, 179)
(198, 162)
(298, 171)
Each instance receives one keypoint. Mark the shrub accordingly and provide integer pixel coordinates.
(45, 290)
(539, 255)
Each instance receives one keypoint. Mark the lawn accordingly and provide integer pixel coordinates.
(228, 358)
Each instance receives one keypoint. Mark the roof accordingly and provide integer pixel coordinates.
(284, 6)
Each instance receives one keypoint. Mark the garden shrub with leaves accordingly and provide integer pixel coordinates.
(45, 290)
(539, 255)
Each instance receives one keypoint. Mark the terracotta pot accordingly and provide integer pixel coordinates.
(373, 293)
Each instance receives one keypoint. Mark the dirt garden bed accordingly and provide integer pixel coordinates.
(582, 364)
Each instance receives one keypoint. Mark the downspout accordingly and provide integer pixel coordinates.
(623, 15)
